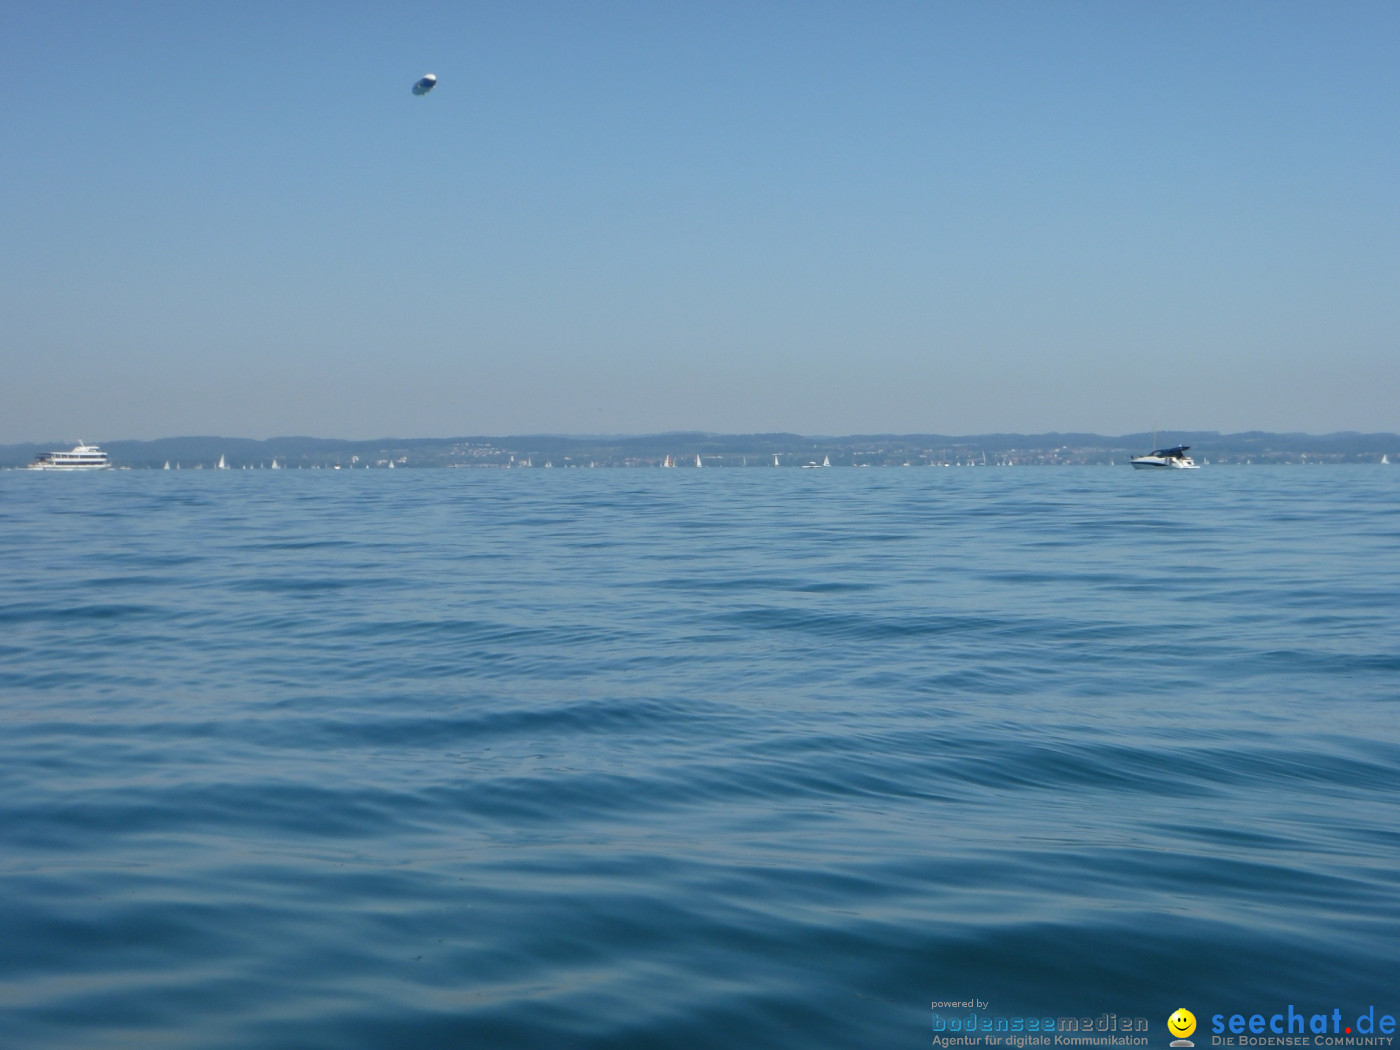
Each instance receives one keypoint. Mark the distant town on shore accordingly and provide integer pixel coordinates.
(691, 449)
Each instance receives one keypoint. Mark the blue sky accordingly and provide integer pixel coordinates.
(635, 217)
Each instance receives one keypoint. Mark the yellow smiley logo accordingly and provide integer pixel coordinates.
(1182, 1023)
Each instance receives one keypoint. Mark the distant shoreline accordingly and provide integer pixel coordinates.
(729, 450)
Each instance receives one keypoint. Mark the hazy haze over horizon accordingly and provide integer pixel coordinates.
(630, 218)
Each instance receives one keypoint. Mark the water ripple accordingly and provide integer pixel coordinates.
(628, 758)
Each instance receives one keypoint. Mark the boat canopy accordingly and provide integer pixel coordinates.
(1171, 453)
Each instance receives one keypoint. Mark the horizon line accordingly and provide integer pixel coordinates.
(696, 433)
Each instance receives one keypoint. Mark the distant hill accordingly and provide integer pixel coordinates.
(725, 450)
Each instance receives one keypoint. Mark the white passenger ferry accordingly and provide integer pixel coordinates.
(83, 457)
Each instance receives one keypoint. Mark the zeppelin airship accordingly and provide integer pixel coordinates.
(425, 84)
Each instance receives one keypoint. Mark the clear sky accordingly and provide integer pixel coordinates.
(632, 217)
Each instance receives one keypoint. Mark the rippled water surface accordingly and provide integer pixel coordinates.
(690, 758)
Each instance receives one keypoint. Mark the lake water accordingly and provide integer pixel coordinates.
(722, 758)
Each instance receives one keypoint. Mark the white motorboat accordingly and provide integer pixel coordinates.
(1174, 458)
(83, 457)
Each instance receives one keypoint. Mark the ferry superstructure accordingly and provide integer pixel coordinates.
(83, 457)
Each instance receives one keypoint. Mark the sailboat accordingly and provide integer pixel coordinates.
(167, 465)
(222, 464)
(697, 460)
(275, 464)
